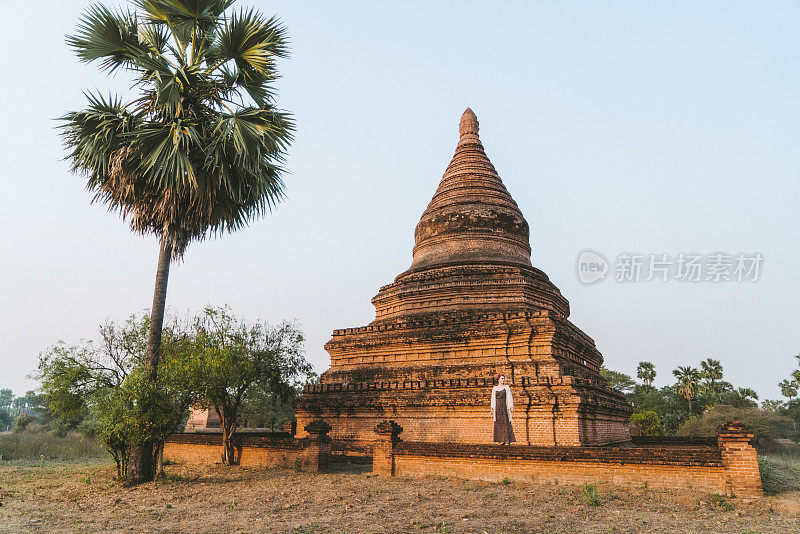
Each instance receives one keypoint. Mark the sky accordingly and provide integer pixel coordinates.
(631, 128)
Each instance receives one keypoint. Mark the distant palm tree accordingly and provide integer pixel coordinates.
(197, 151)
(748, 394)
(788, 388)
(688, 381)
(646, 372)
(711, 372)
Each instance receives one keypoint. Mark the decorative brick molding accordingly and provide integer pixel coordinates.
(318, 429)
(268, 449)
(664, 455)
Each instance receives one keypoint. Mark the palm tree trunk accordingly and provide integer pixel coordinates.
(143, 466)
(157, 310)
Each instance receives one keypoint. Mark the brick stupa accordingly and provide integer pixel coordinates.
(470, 306)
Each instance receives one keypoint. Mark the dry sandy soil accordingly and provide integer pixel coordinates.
(83, 497)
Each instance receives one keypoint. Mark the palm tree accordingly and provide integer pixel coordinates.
(788, 388)
(711, 371)
(197, 151)
(646, 372)
(688, 378)
(748, 394)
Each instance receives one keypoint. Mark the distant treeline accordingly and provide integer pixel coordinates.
(700, 399)
(28, 407)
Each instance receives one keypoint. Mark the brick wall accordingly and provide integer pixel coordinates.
(268, 449)
(533, 425)
(727, 465)
(701, 478)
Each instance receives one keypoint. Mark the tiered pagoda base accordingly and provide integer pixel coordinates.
(434, 378)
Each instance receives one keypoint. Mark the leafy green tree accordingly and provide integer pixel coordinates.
(619, 381)
(20, 404)
(766, 425)
(646, 423)
(262, 408)
(5, 420)
(688, 381)
(232, 359)
(106, 380)
(22, 422)
(741, 398)
(197, 151)
(646, 372)
(6, 398)
(773, 405)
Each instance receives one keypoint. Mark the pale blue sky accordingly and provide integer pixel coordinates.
(650, 127)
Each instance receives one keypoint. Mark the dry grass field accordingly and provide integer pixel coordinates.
(81, 496)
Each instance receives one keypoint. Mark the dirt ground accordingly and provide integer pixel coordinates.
(83, 497)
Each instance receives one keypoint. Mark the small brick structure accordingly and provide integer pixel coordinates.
(255, 449)
(725, 465)
(384, 449)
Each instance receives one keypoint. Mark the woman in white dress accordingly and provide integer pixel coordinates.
(502, 408)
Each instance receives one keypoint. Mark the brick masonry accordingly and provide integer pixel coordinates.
(727, 465)
(254, 449)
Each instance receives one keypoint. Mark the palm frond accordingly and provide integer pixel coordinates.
(165, 152)
(186, 19)
(251, 42)
(95, 133)
(153, 37)
(105, 35)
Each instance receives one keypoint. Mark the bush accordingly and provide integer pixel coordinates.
(58, 427)
(22, 422)
(645, 424)
(779, 473)
(591, 496)
(720, 502)
(766, 425)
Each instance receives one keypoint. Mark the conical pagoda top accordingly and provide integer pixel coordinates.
(472, 217)
(468, 123)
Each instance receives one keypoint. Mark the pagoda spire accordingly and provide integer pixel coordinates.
(471, 217)
(468, 123)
